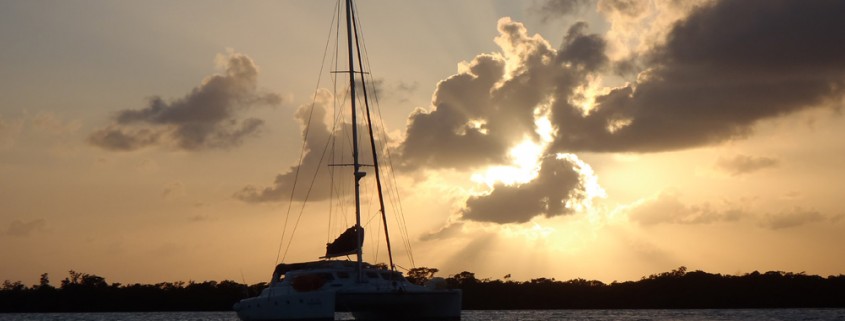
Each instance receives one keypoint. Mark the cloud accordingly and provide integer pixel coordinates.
(704, 75)
(628, 8)
(210, 116)
(21, 228)
(402, 91)
(324, 145)
(797, 216)
(721, 69)
(550, 9)
(561, 184)
(447, 231)
(744, 164)
(667, 208)
(492, 104)
(118, 138)
(379, 89)
(454, 133)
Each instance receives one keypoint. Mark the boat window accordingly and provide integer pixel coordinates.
(327, 276)
(372, 275)
(343, 275)
(308, 282)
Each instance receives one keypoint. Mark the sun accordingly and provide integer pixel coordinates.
(524, 166)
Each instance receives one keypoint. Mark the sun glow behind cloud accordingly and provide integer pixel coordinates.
(525, 165)
(585, 95)
(525, 156)
(591, 189)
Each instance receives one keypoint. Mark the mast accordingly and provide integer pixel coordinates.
(356, 164)
(373, 144)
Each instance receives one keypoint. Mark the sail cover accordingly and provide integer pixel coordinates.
(345, 244)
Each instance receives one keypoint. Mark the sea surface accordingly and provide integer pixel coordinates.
(477, 315)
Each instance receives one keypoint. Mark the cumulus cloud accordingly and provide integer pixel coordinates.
(561, 183)
(210, 116)
(454, 133)
(791, 218)
(24, 228)
(667, 208)
(723, 68)
(480, 113)
(324, 145)
(495, 103)
(705, 74)
(744, 164)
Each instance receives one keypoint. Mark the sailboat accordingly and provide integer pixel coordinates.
(316, 290)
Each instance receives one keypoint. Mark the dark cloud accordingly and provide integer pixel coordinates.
(324, 145)
(667, 208)
(582, 49)
(21, 228)
(377, 88)
(402, 90)
(557, 184)
(551, 9)
(407, 87)
(482, 112)
(454, 133)
(722, 69)
(118, 138)
(210, 116)
(797, 216)
(744, 164)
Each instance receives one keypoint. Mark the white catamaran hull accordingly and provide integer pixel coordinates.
(316, 305)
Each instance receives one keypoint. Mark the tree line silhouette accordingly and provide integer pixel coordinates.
(80, 292)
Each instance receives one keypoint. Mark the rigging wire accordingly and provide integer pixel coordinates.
(335, 112)
(374, 148)
(392, 191)
(308, 193)
(400, 217)
(302, 150)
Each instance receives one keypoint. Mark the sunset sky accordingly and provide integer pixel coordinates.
(150, 141)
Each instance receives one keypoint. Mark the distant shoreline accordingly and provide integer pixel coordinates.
(677, 289)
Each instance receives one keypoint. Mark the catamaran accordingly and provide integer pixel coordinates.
(316, 290)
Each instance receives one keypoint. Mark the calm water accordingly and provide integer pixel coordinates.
(525, 315)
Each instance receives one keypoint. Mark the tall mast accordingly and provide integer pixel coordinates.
(372, 143)
(356, 165)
